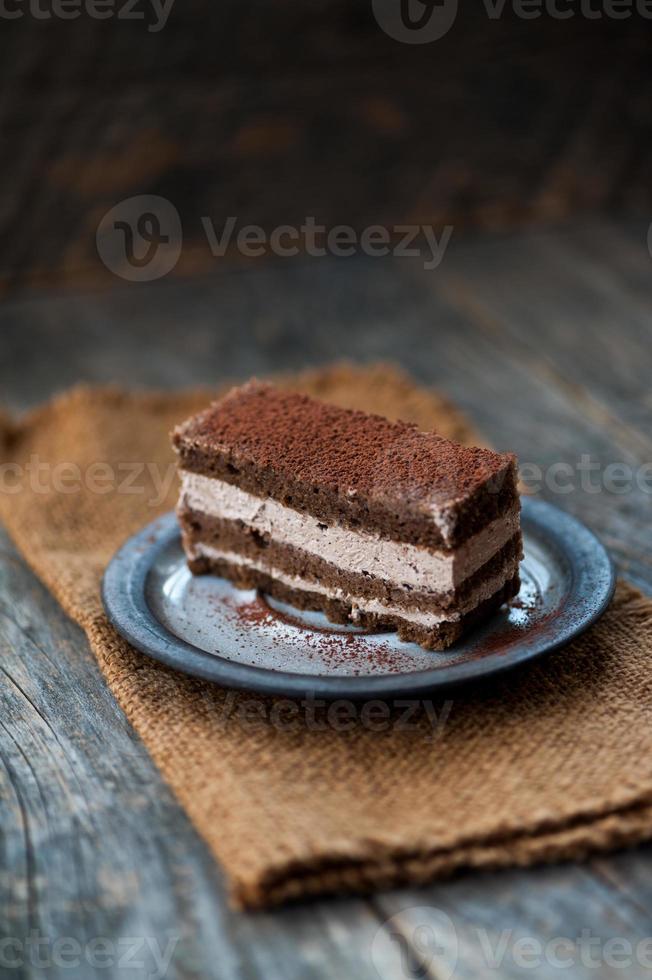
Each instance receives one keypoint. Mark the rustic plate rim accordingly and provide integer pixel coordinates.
(125, 603)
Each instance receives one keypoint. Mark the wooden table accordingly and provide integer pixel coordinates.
(545, 339)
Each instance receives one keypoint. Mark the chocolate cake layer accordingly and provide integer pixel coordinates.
(200, 529)
(349, 468)
(358, 550)
(431, 635)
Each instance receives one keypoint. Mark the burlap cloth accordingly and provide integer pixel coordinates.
(550, 762)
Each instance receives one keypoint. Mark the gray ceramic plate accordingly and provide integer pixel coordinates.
(204, 626)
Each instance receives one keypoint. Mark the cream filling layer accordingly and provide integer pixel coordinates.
(353, 550)
(360, 604)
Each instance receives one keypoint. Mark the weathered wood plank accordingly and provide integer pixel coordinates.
(570, 310)
(90, 840)
(517, 923)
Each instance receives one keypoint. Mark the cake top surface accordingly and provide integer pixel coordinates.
(347, 450)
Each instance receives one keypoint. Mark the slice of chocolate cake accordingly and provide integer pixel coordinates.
(371, 521)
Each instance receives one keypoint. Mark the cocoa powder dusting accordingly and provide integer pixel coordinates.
(337, 447)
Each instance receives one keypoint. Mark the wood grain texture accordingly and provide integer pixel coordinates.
(543, 337)
(523, 120)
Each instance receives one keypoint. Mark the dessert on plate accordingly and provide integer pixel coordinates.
(373, 522)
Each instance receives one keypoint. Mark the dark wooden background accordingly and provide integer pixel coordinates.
(533, 140)
(275, 111)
